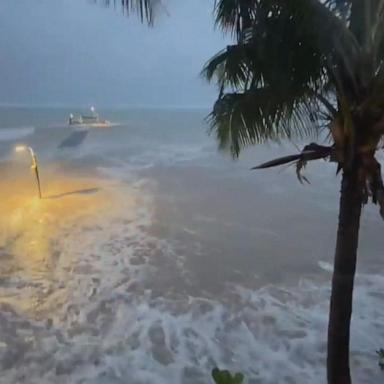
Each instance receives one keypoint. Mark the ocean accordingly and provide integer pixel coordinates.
(153, 257)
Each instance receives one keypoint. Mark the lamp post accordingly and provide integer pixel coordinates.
(34, 166)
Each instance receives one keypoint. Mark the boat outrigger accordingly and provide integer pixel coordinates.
(88, 121)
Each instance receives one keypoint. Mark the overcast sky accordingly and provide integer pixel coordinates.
(71, 52)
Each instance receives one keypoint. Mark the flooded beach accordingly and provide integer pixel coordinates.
(152, 257)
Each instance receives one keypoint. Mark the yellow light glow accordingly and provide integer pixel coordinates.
(20, 148)
(43, 237)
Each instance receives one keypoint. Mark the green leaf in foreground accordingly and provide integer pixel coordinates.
(225, 377)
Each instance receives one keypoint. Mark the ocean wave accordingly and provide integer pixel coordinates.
(167, 156)
(274, 335)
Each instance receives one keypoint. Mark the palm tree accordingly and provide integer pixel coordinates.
(298, 67)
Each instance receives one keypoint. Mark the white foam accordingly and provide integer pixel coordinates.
(328, 267)
(128, 156)
(274, 335)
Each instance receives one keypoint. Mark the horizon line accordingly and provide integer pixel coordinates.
(101, 106)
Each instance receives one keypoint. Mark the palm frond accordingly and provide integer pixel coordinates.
(260, 115)
(378, 34)
(363, 15)
(310, 152)
(234, 66)
(145, 9)
(297, 29)
(289, 159)
(235, 16)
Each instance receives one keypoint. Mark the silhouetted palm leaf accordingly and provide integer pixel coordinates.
(262, 114)
(144, 8)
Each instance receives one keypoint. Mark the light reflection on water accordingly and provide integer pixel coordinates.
(31, 229)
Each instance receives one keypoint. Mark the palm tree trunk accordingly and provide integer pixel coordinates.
(338, 370)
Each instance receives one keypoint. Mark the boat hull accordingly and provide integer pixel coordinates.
(82, 126)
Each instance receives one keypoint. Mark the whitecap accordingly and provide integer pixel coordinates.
(325, 266)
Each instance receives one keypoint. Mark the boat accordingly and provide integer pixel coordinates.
(91, 120)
